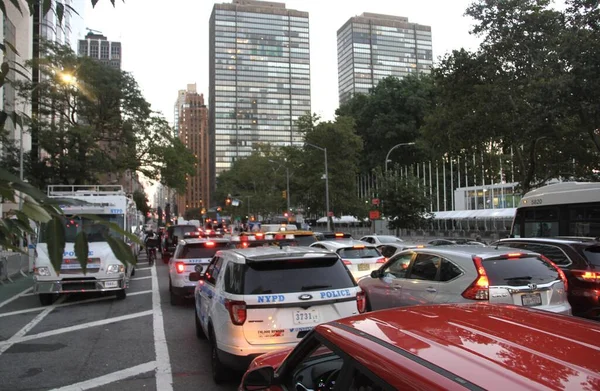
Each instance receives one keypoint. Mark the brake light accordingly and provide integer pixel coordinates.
(513, 255)
(245, 244)
(420, 246)
(381, 260)
(361, 302)
(259, 235)
(479, 289)
(561, 274)
(237, 311)
(587, 276)
(339, 235)
(358, 246)
(180, 267)
(209, 244)
(346, 262)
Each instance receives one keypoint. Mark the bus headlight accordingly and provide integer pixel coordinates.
(115, 269)
(42, 271)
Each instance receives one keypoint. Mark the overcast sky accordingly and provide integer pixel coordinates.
(165, 42)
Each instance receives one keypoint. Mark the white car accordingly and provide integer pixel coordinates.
(257, 300)
(359, 257)
(190, 255)
(378, 240)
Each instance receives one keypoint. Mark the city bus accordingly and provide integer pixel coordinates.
(561, 209)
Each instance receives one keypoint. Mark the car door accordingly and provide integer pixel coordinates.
(421, 285)
(385, 291)
(207, 293)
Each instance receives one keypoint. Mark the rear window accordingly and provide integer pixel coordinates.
(179, 231)
(305, 240)
(296, 275)
(357, 253)
(592, 254)
(389, 239)
(199, 250)
(519, 271)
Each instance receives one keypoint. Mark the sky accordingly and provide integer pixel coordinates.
(165, 42)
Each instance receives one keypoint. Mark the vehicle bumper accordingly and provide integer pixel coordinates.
(239, 358)
(80, 285)
(559, 309)
(184, 291)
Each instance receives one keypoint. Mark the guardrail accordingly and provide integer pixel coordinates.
(13, 264)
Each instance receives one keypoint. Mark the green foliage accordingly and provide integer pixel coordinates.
(141, 202)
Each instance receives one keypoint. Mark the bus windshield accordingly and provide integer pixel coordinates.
(95, 232)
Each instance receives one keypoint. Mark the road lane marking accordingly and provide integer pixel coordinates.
(139, 278)
(164, 375)
(143, 268)
(19, 334)
(110, 378)
(70, 304)
(15, 297)
(75, 328)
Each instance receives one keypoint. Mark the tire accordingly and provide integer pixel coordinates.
(174, 298)
(368, 306)
(121, 294)
(199, 332)
(133, 272)
(219, 371)
(46, 299)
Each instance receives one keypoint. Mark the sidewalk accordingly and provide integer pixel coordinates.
(10, 289)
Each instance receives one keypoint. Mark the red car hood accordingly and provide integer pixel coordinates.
(272, 359)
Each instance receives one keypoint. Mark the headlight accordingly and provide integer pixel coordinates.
(115, 269)
(42, 271)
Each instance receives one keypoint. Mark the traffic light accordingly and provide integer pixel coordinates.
(284, 194)
(228, 201)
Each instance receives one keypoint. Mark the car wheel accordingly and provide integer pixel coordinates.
(121, 294)
(199, 332)
(46, 298)
(174, 298)
(133, 272)
(219, 371)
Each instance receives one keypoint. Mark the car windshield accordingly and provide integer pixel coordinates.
(519, 271)
(592, 254)
(296, 275)
(95, 232)
(389, 239)
(356, 253)
(199, 250)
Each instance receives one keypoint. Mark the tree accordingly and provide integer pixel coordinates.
(141, 202)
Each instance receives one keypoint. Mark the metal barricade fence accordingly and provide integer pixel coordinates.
(13, 264)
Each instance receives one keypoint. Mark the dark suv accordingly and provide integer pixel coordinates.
(173, 235)
(579, 258)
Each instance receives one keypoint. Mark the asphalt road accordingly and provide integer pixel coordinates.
(84, 342)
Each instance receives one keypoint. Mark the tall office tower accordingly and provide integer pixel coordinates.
(97, 46)
(178, 106)
(374, 46)
(259, 77)
(193, 132)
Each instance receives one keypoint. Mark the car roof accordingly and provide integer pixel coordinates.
(344, 243)
(474, 345)
(465, 249)
(555, 240)
(203, 240)
(295, 232)
(256, 254)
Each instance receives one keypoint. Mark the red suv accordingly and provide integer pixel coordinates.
(438, 347)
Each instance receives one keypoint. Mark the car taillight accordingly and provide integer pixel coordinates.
(237, 311)
(561, 274)
(361, 302)
(209, 244)
(479, 289)
(180, 267)
(346, 262)
(587, 276)
(381, 260)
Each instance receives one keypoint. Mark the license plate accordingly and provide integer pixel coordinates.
(111, 284)
(304, 317)
(363, 266)
(531, 299)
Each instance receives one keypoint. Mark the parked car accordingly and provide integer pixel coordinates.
(438, 347)
(456, 274)
(381, 239)
(579, 258)
(359, 257)
(256, 300)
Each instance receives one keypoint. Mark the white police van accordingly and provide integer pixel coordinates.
(256, 300)
(105, 273)
(191, 254)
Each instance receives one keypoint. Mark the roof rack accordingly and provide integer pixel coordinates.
(84, 190)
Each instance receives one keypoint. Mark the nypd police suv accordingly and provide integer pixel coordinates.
(256, 300)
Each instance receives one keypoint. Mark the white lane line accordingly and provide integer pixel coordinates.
(140, 278)
(19, 334)
(141, 263)
(75, 328)
(15, 297)
(164, 375)
(142, 268)
(110, 378)
(69, 304)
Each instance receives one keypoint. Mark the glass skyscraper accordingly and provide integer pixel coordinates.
(374, 46)
(259, 78)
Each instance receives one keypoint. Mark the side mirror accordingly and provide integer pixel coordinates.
(258, 379)
(375, 274)
(195, 276)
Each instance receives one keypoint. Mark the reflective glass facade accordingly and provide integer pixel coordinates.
(372, 47)
(259, 77)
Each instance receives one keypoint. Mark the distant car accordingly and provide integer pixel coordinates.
(458, 274)
(455, 241)
(332, 235)
(438, 347)
(381, 239)
(256, 300)
(173, 234)
(388, 250)
(250, 241)
(303, 238)
(359, 257)
(579, 258)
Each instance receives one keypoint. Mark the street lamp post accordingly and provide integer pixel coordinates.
(326, 182)
(387, 157)
(287, 179)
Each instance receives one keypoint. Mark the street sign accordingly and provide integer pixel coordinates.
(330, 214)
(375, 201)
(374, 214)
